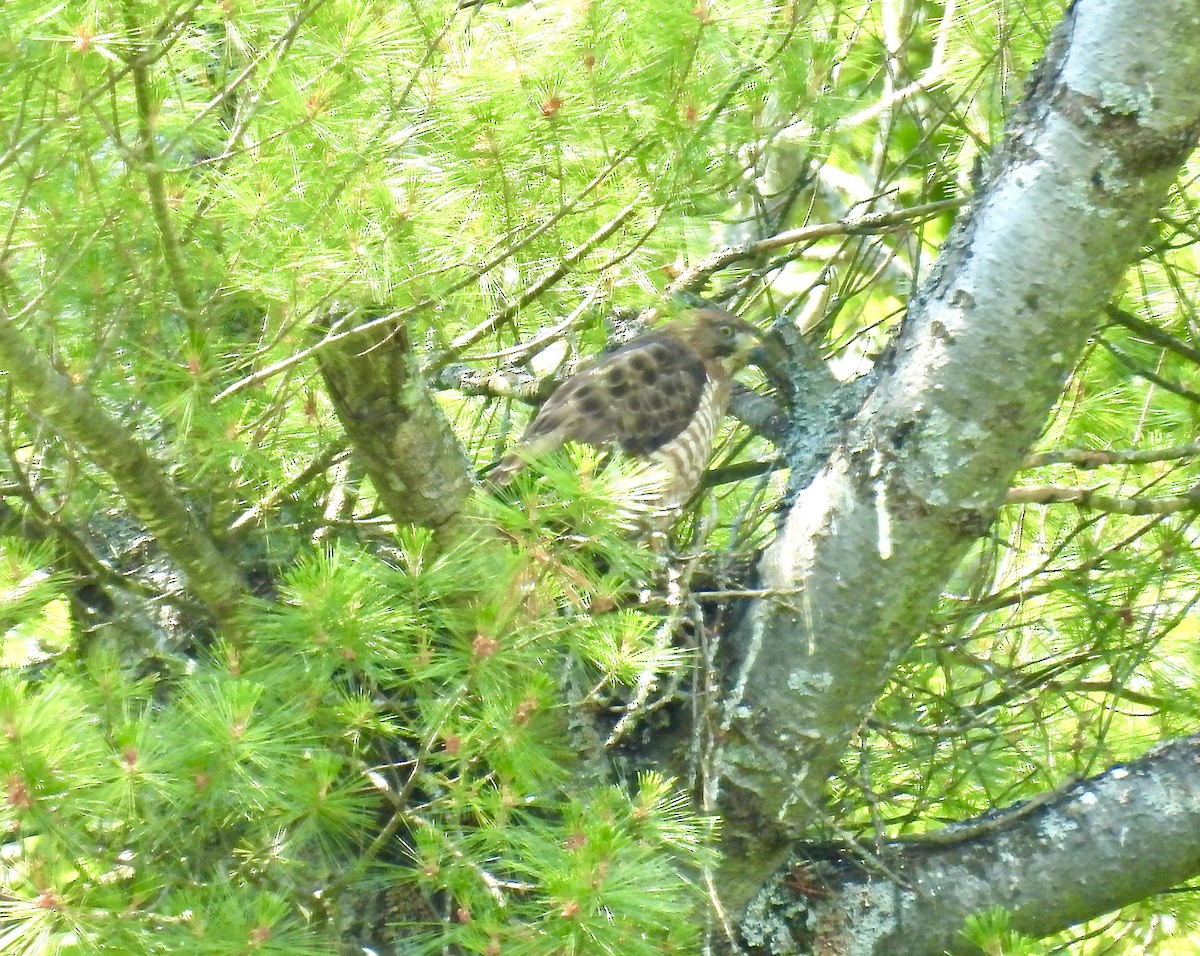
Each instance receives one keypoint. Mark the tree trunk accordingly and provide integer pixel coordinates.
(864, 550)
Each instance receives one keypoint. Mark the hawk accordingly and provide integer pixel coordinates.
(659, 397)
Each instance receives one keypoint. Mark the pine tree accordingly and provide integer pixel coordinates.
(283, 674)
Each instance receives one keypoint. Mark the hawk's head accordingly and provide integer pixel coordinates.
(720, 336)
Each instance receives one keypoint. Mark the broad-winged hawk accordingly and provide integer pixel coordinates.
(659, 397)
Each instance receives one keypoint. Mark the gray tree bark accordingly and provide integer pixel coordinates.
(1100, 844)
(865, 548)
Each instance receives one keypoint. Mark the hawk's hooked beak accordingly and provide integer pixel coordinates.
(773, 359)
(745, 345)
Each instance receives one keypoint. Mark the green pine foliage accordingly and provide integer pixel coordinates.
(186, 189)
(218, 812)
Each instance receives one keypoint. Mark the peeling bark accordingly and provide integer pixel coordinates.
(867, 546)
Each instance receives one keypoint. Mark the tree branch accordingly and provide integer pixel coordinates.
(1072, 855)
(1094, 500)
(920, 472)
(1094, 458)
(695, 277)
(75, 415)
(156, 183)
(1153, 333)
(407, 447)
(1150, 376)
(565, 265)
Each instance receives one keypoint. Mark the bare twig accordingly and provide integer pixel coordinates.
(495, 384)
(340, 331)
(1091, 458)
(329, 457)
(156, 183)
(1142, 372)
(469, 338)
(1153, 334)
(694, 277)
(1093, 500)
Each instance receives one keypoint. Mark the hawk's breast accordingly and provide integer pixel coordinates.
(686, 455)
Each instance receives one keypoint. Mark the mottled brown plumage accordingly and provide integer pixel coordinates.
(660, 397)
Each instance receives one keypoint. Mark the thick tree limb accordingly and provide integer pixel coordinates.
(407, 447)
(1076, 855)
(920, 472)
(74, 414)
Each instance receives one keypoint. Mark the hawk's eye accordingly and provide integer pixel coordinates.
(725, 330)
